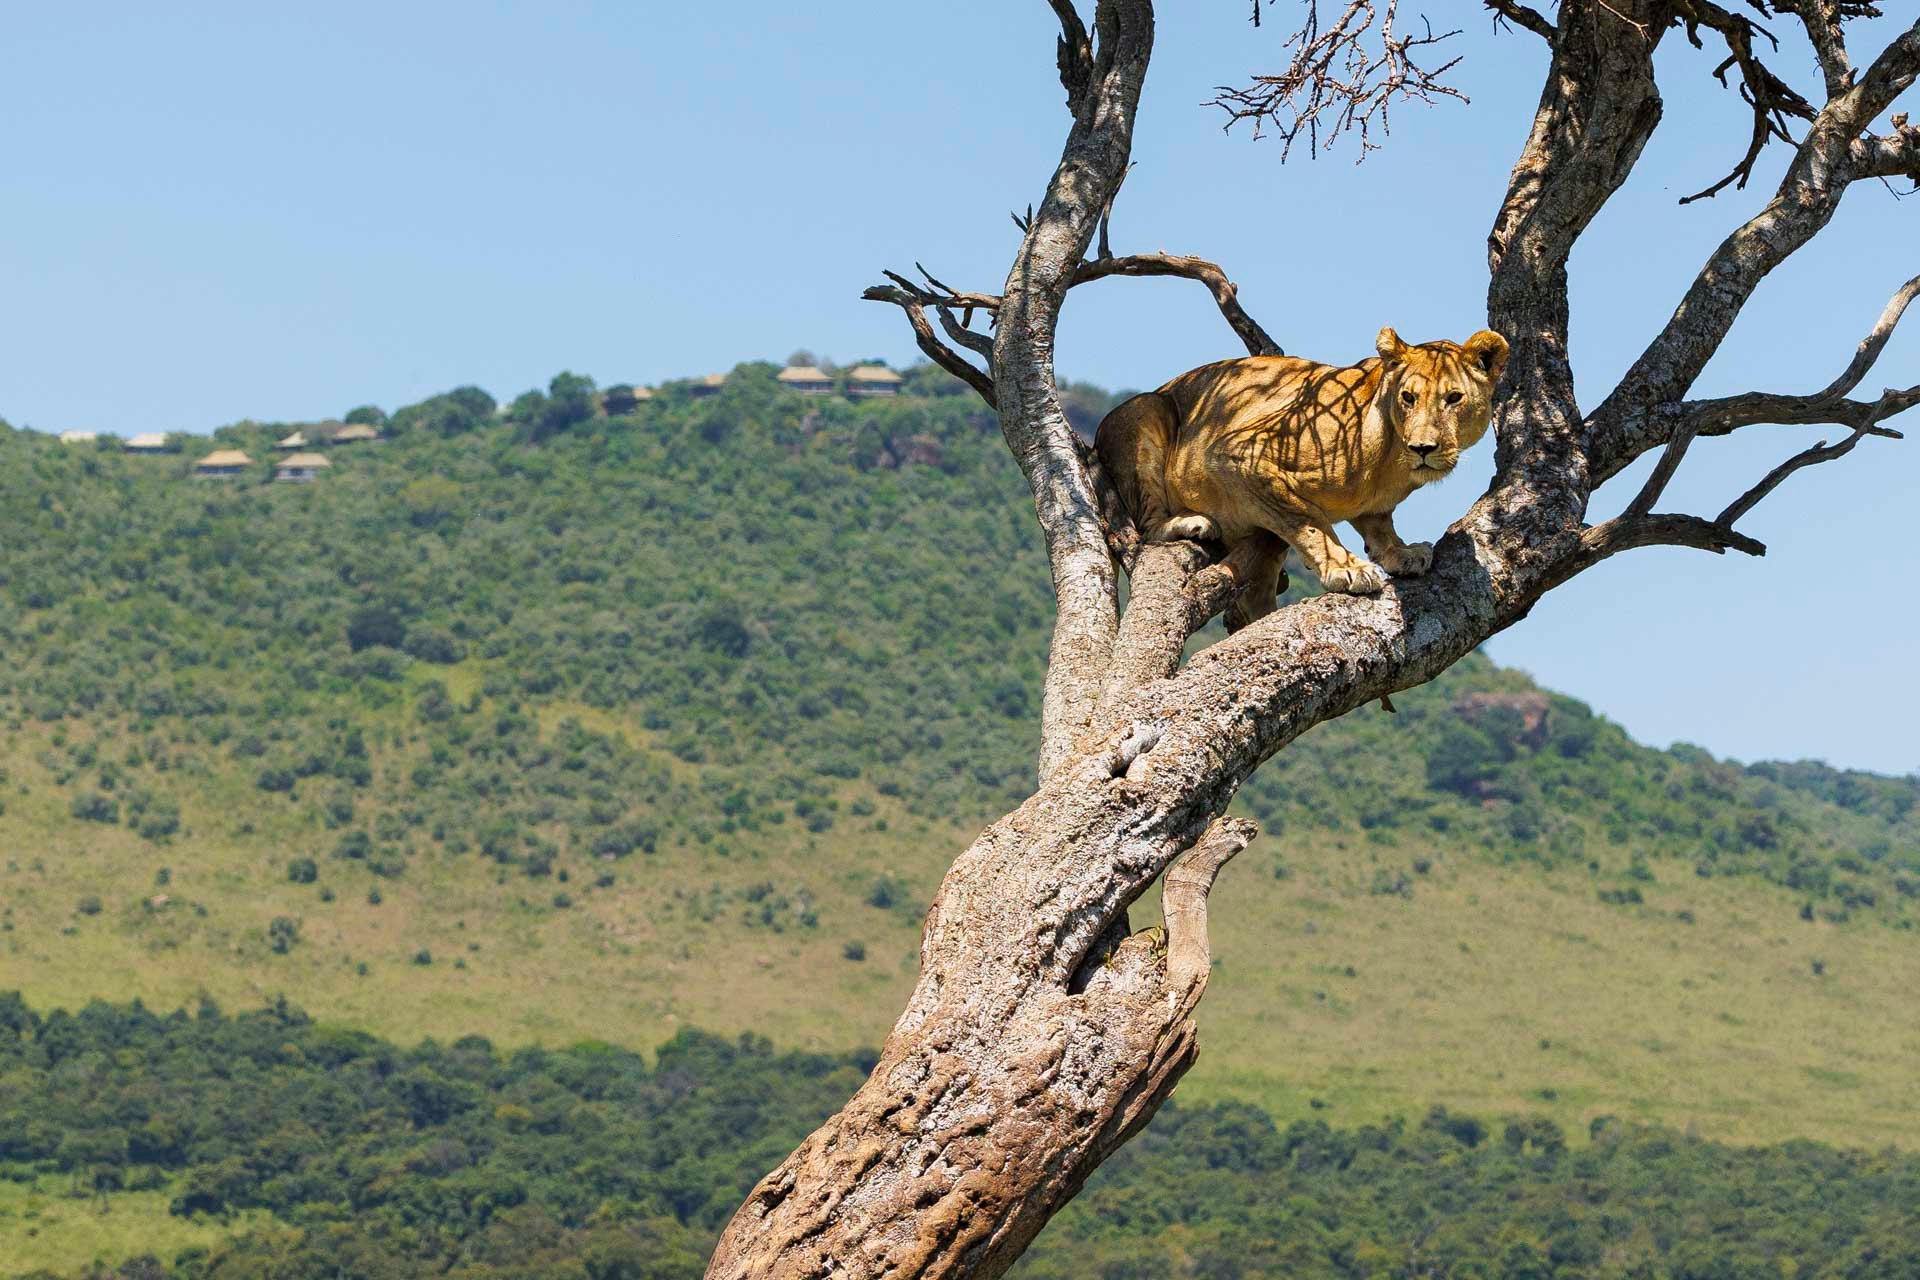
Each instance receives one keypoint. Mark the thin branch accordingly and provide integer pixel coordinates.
(1106, 216)
(979, 343)
(1874, 343)
(1520, 15)
(1662, 472)
(1336, 83)
(1820, 452)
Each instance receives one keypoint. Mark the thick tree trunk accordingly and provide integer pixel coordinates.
(1041, 1035)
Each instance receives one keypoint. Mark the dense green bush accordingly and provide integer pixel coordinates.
(455, 1159)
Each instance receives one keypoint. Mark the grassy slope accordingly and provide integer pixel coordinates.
(48, 1227)
(1493, 979)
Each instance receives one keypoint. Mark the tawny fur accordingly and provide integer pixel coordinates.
(1270, 451)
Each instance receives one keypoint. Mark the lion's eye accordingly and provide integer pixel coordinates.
(1455, 397)
(1408, 398)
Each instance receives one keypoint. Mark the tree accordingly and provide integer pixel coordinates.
(1043, 1033)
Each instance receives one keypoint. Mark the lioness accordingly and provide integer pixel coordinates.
(1270, 451)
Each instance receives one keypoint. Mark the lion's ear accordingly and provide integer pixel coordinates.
(1389, 346)
(1488, 350)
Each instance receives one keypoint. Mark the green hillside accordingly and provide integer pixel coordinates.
(562, 726)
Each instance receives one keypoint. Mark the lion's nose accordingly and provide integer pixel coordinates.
(1423, 449)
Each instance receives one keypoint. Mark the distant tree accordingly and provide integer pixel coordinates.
(371, 415)
(570, 402)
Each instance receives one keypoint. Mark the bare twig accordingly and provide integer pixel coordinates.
(1625, 533)
(1871, 346)
(1336, 82)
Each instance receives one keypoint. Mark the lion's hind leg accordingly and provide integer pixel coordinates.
(1133, 442)
(1258, 563)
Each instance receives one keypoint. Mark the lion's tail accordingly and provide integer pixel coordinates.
(1132, 443)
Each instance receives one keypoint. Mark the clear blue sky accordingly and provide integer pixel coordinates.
(279, 212)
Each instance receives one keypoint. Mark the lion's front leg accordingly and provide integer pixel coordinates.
(1401, 559)
(1337, 568)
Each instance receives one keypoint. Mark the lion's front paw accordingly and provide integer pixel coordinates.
(1197, 528)
(1361, 578)
(1409, 560)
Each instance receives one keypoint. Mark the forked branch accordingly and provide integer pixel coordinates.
(914, 302)
(1829, 404)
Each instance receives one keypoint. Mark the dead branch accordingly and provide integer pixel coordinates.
(1772, 99)
(1225, 295)
(944, 298)
(1520, 15)
(911, 302)
(1183, 905)
(1337, 82)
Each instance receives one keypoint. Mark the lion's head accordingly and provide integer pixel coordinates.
(1438, 396)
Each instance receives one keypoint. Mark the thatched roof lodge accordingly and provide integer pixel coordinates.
(709, 385)
(356, 433)
(221, 464)
(79, 437)
(148, 442)
(806, 379)
(872, 380)
(297, 440)
(301, 468)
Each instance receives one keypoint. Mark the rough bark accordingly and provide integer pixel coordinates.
(1041, 1033)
